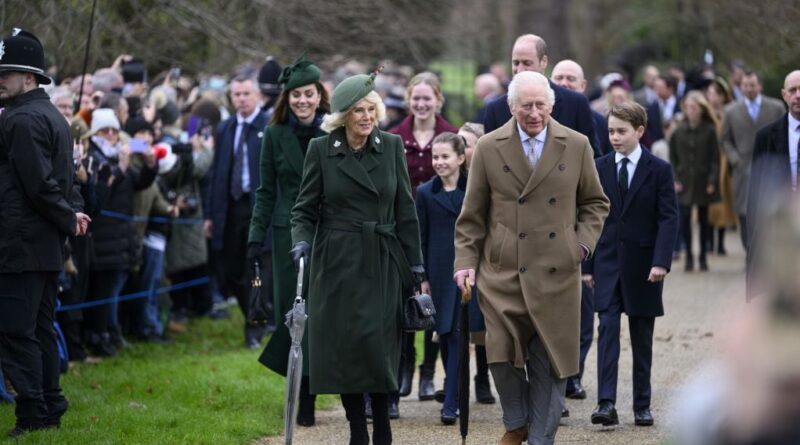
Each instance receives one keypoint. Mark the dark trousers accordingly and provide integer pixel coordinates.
(587, 333)
(28, 346)
(449, 345)
(354, 410)
(641, 332)
(103, 284)
(196, 300)
(233, 269)
(686, 229)
(431, 353)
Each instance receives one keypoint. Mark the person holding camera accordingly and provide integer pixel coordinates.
(355, 223)
(187, 252)
(116, 250)
(295, 121)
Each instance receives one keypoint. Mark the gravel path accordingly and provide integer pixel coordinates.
(683, 338)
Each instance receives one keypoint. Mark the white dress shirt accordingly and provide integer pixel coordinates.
(753, 106)
(633, 160)
(535, 143)
(245, 162)
(794, 137)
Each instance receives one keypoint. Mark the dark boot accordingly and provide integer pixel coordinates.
(406, 377)
(426, 389)
(721, 242)
(354, 411)
(689, 266)
(703, 263)
(305, 411)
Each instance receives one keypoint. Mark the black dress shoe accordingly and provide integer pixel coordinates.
(576, 391)
(483, 390)
(605, 414)
(426, 389)
(643, 417)
(439, 395)
(449, 418)
(564, 413)
(394, 409)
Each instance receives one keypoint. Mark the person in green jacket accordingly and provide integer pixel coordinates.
(295, 121)
(356, 224)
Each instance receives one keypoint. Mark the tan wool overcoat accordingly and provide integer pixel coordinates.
(521, 231)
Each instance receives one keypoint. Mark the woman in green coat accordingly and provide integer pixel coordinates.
(694, 155)
(296, 120)
(356, 221)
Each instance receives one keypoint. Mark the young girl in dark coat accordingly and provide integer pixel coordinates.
(438, 206)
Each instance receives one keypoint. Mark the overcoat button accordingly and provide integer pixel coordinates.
(422, 169)
(552, 270)
(562, 167)
(552, 235)
(522, 235)
(552, 201)
(522, 270)
(506, 168)
(522, 200)
(421, 154)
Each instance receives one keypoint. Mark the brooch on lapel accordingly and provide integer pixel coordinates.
(562, 167)
(337, 144)
(506, 168)
(260, 134)
(377, 140)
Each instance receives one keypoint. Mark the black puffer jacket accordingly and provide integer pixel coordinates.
(114, 237)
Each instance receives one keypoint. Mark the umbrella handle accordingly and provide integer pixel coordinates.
(300, 271)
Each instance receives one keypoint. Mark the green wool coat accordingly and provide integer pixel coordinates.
(694, 155)
(360, 219)
(281, 168)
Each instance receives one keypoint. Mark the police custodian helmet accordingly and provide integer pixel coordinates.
(22, 51)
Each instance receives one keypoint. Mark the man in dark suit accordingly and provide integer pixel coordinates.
(568, 74)
(234, 179)
(661, 112)
(571, 109)
(632, 257)
(773, 177)
(36, 216)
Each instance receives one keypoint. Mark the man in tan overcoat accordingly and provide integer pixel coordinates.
(533, 210)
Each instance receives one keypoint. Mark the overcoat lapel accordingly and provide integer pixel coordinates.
(351, 166)
(510, 149)
(292, 150)
(552, 152)
(608, 176)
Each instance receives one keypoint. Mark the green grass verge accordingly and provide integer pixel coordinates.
(203, 388)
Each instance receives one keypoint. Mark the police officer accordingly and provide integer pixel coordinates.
(36, 175)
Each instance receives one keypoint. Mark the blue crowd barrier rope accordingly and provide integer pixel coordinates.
(136, 295)
(154, 219)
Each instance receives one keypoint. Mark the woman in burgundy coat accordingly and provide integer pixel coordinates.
(424, 100)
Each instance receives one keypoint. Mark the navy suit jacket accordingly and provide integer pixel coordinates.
(655, 128)
(639, 233)
(770, 180)
(219, 195)
(601, 129)
(571, 109)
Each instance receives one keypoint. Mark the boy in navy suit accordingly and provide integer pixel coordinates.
(633, 255)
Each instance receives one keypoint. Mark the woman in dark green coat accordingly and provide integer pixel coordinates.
(694, 155)
(296, 120)
(355, 209)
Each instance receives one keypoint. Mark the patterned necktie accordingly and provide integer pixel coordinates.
(237, 189)
(532, 158)
(623, 177)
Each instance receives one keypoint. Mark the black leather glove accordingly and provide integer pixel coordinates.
(418, 272)
(253, 253)
(300, 250)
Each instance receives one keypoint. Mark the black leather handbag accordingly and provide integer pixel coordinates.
(418, 313)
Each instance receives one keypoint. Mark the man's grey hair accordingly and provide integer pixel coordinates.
(526, 78)
(59, 92)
